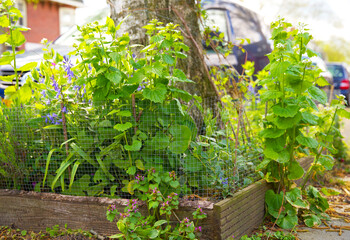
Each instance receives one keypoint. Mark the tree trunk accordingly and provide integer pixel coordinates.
(182, 12)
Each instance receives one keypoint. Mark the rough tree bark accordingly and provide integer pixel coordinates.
(182, 12)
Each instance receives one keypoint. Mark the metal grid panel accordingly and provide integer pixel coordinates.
(107, 146)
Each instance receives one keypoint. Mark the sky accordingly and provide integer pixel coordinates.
(327, 17)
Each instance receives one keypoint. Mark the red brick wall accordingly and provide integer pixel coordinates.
(43, 19)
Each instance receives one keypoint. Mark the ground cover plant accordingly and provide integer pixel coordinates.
(294, 125)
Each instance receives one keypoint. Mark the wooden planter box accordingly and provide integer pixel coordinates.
(234, 216)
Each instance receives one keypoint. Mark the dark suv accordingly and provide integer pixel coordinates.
(340, 79)
(237, 22)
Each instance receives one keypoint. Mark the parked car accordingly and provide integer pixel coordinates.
(63, 45)
(237, 22)
(326, 74)
(341, 79)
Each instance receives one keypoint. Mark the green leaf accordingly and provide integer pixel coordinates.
(288, 111)
(322, 82)
(17, 38)
(131, 170)
(139, 165)
(84, 155)
(48, 159)
(312, 220)
(273, 202)
(125, 113)
(4, 21)
(192, 164)
(326, 161)
(157, 94)
(271, 133)
(168, 59)
(72, 176)
(288, 222)
(137, 77)
(104, 168)
(159, 223)
(295, 170)
(136, 146)
(114, 76)
(289, 122)
(307, 142)
(119, 235)
(343, 113)
(159, 141)
(28, 66)
(329, 192)
(64, 165)
(181, 138)
(295, 198)
(153, 234)
(8, 78)
(318, 94)
(123, 127)
(270, 95)
(174, 184)
(310, 118)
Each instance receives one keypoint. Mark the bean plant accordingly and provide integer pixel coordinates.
(293, 127)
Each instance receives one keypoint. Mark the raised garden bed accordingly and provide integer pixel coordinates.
(237, 215)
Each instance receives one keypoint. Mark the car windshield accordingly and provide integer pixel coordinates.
(246, 24)
(337, 71)
(217, 21)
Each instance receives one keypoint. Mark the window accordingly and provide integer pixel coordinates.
(22, 7)
(67, 18)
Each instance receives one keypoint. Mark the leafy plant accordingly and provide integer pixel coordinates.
(290, 96)
(158, 191)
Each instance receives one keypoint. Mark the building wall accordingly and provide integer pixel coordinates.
(43, 19)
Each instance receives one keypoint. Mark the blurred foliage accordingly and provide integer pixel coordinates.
(336, 50)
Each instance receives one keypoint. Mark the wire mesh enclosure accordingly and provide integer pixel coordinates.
(103, 149)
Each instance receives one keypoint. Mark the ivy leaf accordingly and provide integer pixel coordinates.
(271, 133)
(307, 142)
(289, 111)
(318, 94)
(157, 94)
(136, 146)
(123, 127)
(295, 170)
(181, 138)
